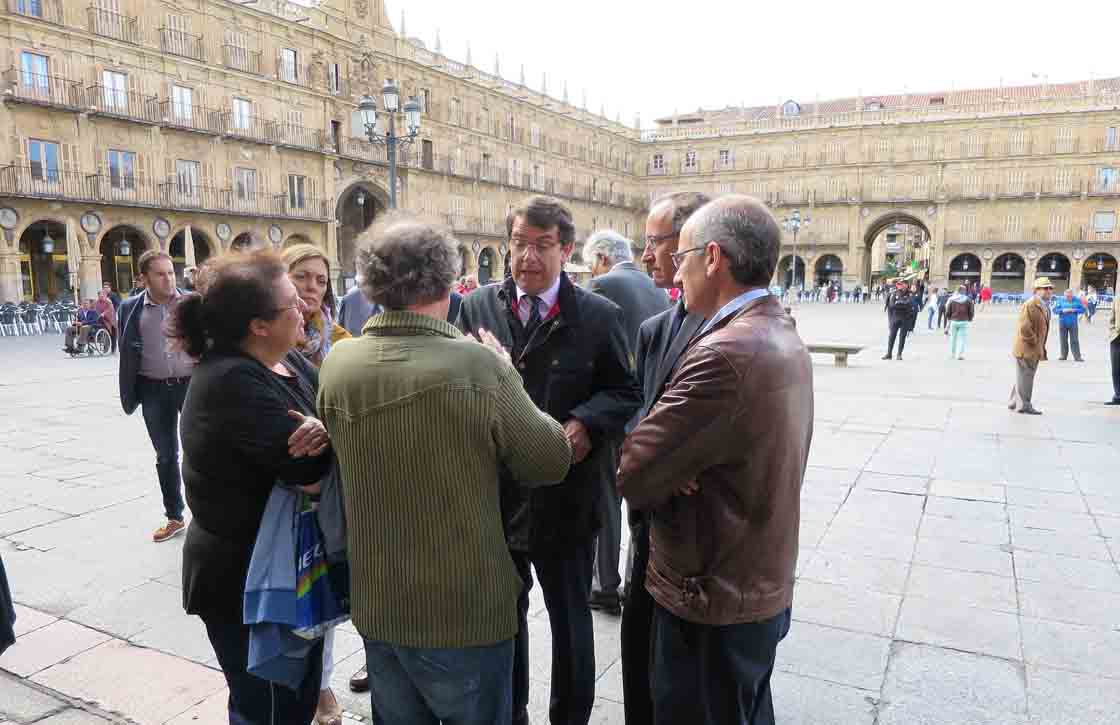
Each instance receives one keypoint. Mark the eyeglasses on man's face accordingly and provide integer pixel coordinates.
(678, 257)
(652, 240)
(521, 246)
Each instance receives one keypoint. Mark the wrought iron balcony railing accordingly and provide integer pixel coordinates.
(113, 25)
(190, 117)
(176, 42)
(243, 59)
(47, 90)
(115, 102)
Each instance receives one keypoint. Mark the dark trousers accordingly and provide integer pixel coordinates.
(253, 701)
(608, 544)
(637, 623)
(565, 580)
(1070, 338)
(1114, 349)
(708, 675)
(453, 686)
(162, 403)
(900, 329)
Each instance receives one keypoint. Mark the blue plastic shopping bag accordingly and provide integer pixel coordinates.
(322, 598)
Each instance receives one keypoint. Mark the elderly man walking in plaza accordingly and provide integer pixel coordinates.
(617, 278)
(719, 463)
(1069, 309)
(423, 422)
(1030, 345)
(571, 350)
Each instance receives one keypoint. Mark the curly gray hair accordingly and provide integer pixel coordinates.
(407, 262)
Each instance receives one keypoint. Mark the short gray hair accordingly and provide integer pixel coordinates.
(684, 204)
(407, 262)
(610, 244)
(746, 230)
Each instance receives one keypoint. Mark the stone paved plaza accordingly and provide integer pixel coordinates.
(959, 563)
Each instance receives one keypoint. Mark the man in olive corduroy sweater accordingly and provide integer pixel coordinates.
(422, 419)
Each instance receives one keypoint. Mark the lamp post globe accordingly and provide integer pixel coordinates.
(368, 108)
(412, 116)
(391, 96)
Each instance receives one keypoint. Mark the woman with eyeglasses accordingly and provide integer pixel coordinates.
(248, 423)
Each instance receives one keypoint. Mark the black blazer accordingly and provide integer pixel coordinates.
(575, 365)
(131, 347)
(659, 351)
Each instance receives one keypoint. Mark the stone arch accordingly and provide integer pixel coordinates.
(487, 266)
(176, 248)
(965, 268)
(46, 275)
(118, 269)
(1009, 273)
(358, 204)
(1099, 272)
(1056, 266)
(784, 269)
(881, 223)
(828, 268)
(246, 241)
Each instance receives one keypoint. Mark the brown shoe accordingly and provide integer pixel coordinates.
(168, 530)
(360, 681)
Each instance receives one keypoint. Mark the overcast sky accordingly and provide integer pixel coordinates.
(656, 57)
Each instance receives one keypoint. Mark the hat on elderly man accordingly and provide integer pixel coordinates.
(1043, 283)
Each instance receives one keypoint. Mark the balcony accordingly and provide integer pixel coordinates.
(290, 134)
(45, 90)
(190, 117)
(113, 25)
(50, 11)
(23, 181)
(297, 75)
(242, 59)
(176, 42)
(106, 101)
(251, 128)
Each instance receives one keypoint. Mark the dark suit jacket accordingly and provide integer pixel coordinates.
(633, 291)
(574, 365)
(453, 310)
(659, 350)
(130, 347)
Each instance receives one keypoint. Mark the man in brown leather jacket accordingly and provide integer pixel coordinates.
(718, 463)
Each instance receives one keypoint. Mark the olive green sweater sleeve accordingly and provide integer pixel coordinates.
(529, 442)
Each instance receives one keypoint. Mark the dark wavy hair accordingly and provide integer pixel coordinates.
(233, 290)
(408, 262)
(544, 212)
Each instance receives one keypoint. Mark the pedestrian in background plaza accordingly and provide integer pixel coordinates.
(662, 341)
(1029, 348)
(961, 310)
(113, 296)
(1092, 301)
(424, 422)
(616, 277)
(985, 297)
(1114, 349)
(571, 349)
(248, 425)
(107, 315)
(154, 377)
(931, 307)
(1069, 309)
(719, 463)
(78, 333)
(942, 301)
(900, 314)
(309, 270)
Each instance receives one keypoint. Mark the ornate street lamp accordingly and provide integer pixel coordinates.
(793, 224)
(47, 244)
(124, 247)
(390, 100)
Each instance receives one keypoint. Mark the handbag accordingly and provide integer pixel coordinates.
(322, 597)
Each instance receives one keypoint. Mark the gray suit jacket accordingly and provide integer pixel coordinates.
(640, 299)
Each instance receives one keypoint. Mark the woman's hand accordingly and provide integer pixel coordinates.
(488, 339)
(310, 438)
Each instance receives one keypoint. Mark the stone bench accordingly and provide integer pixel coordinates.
(839, 352)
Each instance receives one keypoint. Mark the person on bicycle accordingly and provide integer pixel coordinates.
(84, 323)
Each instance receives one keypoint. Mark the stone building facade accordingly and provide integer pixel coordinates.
(196, 126)
(200, 125)
(1003, 183)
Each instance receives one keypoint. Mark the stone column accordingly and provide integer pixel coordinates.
(938, 262)
(986, 271)
(1076, 273)
(10, 289)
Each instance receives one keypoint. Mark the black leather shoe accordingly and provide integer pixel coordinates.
(1114, 401)
(359, 682)
(887, 356)
(606, 602)
(1030, 411)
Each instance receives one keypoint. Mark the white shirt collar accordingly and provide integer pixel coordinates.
(548, 297)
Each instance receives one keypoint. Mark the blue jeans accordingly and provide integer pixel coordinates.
(929, 322)
(162, 403)
(453, 686)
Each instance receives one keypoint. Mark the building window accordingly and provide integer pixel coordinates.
(456, 114)
(289, 65)
(937, 101)
(245, 183)
(921, 148)
(968, 224)
(790, 108)
(725, 158)
(1016, 182)
(974, 145)
(1107, 177)
(691, 162)
(1057, 227)
(1013, 226)
(725, 189)
(1064, 141)
(122, 169)
(1110, 138)
(334, 78)
(114, 90)
(972, 185)
(33, 8)
(187, 174)
(43, 156)
(35, 72)
(658, 162)
(535, 135)
(882, 186)
(182, 102)
(509, 125)
(921, 186)
(1017, 146)
(297, 187)
(1063, 181)
(536, 176)
(1104, 222)
(425, 100)
(242, 114)
(485, 166)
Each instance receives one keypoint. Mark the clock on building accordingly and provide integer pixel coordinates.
(161, 227)
(224, 232)
(9, 218)
(91, 223)
(275, 234)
